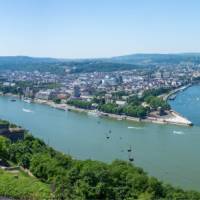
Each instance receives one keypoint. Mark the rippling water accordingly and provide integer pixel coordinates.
(166, 151)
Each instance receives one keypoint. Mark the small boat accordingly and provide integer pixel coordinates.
(178, 132)
(27, 110)
(13, 100)
(27, 100)
(92, 113)
(172, 97)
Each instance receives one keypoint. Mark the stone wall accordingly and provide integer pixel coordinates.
(13, 134)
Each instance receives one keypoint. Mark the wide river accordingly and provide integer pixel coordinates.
(168, 152)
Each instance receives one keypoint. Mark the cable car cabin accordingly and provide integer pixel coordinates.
(129, 149)
(131, 159)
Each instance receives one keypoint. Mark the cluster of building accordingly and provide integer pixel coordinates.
(85, 85)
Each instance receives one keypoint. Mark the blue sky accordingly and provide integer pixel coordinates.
(98, 28)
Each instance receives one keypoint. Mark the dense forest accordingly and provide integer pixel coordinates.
(69, 178)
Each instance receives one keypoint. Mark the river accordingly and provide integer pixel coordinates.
(167, 152)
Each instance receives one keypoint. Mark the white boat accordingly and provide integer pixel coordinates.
(178, 132)
(27, 100)
(26, 110)
(134, 127)
(93, 113)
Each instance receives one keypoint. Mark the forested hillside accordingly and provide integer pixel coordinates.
(69, 178)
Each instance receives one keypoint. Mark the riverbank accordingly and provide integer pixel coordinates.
(172, 117)
(174, 92)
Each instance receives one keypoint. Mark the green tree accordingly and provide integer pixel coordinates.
(4, 147)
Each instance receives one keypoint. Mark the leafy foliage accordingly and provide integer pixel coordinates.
(75, 179)
(78, 179)
(58, 101)
(111, 108)
(155, 92)
(79, 103)
(129, 110)
(135, 111)
(4, 147)
(156, 102)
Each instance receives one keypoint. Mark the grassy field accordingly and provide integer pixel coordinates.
(21, 186)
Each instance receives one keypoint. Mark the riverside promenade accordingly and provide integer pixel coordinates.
(173, 92)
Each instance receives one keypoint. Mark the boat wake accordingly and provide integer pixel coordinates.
(178, 132)
(27, 110)
(134, 127)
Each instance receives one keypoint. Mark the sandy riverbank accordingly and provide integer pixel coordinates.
(171, 118)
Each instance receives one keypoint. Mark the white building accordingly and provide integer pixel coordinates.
(43, 94)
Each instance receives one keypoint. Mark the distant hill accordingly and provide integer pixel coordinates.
(25, 59)
(144, 59)
(99, 65)
(126, 62)
(26, 63)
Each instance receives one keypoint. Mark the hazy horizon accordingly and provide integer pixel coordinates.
(80, 58)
